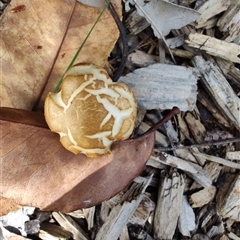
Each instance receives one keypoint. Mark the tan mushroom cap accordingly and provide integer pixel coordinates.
(90, 111)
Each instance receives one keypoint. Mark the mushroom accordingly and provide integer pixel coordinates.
(90, 111)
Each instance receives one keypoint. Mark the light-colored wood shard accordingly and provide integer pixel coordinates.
(143, 211)
(228, 197)
(193, 170)
(169, 203)
(141, 59)
(162, 86)
(70, 225)
(136, 23)
(211, 8)
(229, 70)
(120, 214)
(229, 22)
(219, 89)
(233, 236)
(160, 138)
(89, 215)
(233, 155)
(53, 232)
(212, 171)
(218, 160)
(203, 197)
(196, 127)
(214, 46)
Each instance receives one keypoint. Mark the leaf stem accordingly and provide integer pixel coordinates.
(81, 46)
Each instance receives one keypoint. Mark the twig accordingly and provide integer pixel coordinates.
(123, 35)
(219, 142)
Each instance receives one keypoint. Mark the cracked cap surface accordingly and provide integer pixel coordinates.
(90, 111)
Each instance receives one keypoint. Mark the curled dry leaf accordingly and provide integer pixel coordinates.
(38, 171)
(90, 111)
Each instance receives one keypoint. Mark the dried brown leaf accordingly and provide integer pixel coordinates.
(39, 41)
(39, 172)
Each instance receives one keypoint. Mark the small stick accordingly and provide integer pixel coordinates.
(211, 143)
(119, 71)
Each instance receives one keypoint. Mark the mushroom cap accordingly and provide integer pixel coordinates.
(90, 111)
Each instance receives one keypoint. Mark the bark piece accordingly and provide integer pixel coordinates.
(162, 86)
(169, 203)
(228, 201)
(214, 46)
(220, 90)
(120, 214)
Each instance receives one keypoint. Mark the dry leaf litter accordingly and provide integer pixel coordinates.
(176, 47)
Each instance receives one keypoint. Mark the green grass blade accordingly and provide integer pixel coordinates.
(81, 46)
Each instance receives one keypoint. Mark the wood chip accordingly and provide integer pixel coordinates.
(202, 197)
(206, 101)
(193, 170)
(212, 171)
(141, 59)
(211, 8)
(169, 203)
(218, 160)
(215, 47)
(220, 90)
(143, 211)
(70, 225)
(160, 138)
(229, 22)
(53, 232)
(228, 201)
(233, 155)
(162, 86)
(120, 214)
(197, 129)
